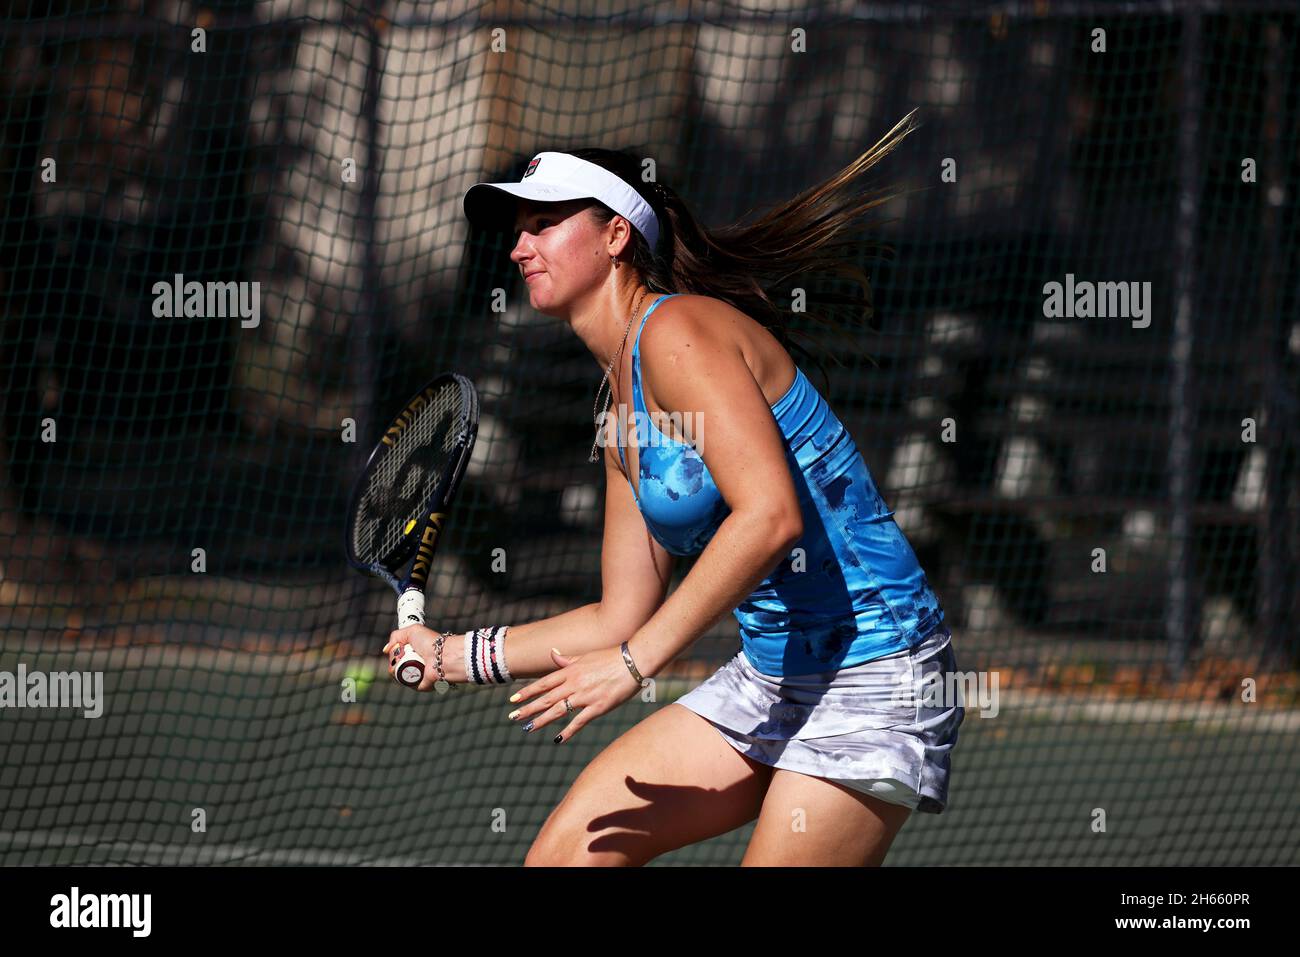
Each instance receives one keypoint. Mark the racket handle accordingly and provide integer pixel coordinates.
(409, 669)
(410, 608)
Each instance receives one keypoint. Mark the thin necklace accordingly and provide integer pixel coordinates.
(595, 416)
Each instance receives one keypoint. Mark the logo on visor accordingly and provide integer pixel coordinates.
(531, 167)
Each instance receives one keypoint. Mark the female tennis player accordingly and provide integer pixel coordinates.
(818, 726)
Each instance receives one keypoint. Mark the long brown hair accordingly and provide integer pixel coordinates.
(750, 265)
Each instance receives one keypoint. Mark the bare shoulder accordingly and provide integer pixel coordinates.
(689, 338)
(694, 327)
(706, 336)
(688, 320)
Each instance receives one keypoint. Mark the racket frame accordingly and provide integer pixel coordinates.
(422, 539)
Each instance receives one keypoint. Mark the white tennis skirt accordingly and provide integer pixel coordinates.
(885, 727)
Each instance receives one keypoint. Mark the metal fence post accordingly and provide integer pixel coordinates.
(1181, 614)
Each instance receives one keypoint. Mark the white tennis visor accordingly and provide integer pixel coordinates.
(553, 177)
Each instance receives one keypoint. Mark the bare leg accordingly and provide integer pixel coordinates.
(669, 781)
(809, 822)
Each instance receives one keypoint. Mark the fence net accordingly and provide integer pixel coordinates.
(1099, 477)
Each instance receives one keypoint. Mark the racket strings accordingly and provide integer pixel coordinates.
(408, 474)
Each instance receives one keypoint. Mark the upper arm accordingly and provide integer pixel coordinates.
(635, 569)
(694, 365)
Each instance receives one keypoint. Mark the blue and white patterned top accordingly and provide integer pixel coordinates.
(851, 590)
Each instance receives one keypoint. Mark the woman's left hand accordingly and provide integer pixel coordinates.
(594, 683)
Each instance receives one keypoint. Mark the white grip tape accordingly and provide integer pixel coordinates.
(410, 611)
(410, 608)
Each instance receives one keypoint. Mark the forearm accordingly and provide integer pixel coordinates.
(528, 646)
(742, 552)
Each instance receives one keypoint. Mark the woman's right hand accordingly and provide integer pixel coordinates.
(422, 639)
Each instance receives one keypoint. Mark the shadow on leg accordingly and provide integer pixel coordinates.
(669, 781)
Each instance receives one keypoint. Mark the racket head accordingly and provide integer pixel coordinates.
(410, 479)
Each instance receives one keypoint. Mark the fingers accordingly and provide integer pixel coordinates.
(540, 686)
(544, 710)
(399, 637)
(533, 708)
(551, 707)
(398, 641)
(394, 653)
(582, 717)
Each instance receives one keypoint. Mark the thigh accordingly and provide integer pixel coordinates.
(669, 781)
(807, 821)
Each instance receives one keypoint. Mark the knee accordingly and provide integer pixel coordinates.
(545, 854)
(548, 855)
(556, 845)
(561, 846)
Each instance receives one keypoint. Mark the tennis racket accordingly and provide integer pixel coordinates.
(400, 501)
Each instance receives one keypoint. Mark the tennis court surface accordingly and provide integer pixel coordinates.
(279, 769)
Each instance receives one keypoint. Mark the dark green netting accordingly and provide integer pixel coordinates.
(129, 440)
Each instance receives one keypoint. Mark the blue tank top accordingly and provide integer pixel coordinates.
(850, 591)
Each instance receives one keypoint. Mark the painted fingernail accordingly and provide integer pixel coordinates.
(528, 726)
(514, 697)
(514, 714)
(558, 738)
